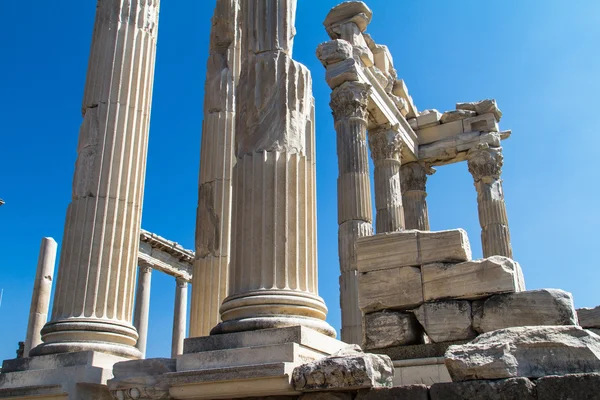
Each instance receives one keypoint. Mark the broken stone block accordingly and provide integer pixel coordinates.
(472, 280)
(349, 11)
(334, 51)
(428, 118)
(397, 288)
(400, 89)
(530, 352)
(348, 369)
(388, 328)
(567, 387)
(481, 123)
(589, 317)
(345, 71)
(439, 132)
(455, 115)
(507, 389)
(411, 248)
(531, 308)
(482, 107)
(409, 392)
(445, 321)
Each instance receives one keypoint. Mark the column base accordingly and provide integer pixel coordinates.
(88, 334)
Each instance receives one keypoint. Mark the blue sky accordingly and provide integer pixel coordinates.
(539, 59)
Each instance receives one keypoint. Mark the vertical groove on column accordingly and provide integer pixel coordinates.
(414, 195)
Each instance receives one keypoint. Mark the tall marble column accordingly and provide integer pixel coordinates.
(93, 302)
(355, 215)
(485, 164)
(40, 298)
(414, 195)
(179, 317)
(142, 307)
(273, 281)
(213, 222)
(386, 148)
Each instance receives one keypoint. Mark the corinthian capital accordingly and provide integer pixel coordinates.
(385, 143)
(485, 163)
(350, 100)
(414, 176)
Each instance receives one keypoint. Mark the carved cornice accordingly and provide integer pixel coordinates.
(350, 100)
(414, 176)
(485, 163)
(141, 393)
(385, 143)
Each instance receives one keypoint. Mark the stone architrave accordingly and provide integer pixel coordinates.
(273, 281)
(386, 147)
(40, 300)
(179, 317)
(485, 164)
(349, 104)
(142, 307)
(414, 195)
(213, 218)
(93, 302)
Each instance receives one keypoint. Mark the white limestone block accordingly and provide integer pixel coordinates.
(383, 59)
(481, 123)
(345, 71)
(349, 11)
(482, 107)
(529, 308)
(397, 288)
(472, 279)
(411, 248)
(389, 328)
(446, 321)
(334, 51)
(456, 148)
(589, 317)
(401, 90)
(455, 115)
(428, 118)
(439, 132)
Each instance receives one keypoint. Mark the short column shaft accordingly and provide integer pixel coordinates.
(142, 307)
(414, 195)
(40, 299)
(485, 164)
(179, 317)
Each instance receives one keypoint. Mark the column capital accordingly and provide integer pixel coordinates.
(145, 269)
(350, 100)
(181, 283)
(414, 176)
(385, 143)
(485, 163)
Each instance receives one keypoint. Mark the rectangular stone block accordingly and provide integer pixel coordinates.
(446, 321)
(566, 387)
(589, 317)
(411, 248)
(481, 123)
(388, 328)
(397, 288)
(472, 279)
(345, 71)
(429, 118)
(439, 132)
(334, 51)
(508, 389)
(411, 392)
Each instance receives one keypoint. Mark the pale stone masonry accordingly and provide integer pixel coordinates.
(142, 307)
(213, 223)
(93, 303)
(40, 299)
(414, 195)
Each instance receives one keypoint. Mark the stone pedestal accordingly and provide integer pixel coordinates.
(142, 307)
(386, 147)
(414, 195)
(179, 317)
(93, 302)
(485, 164)
(40, 299)
(213, 223)
(349, 104)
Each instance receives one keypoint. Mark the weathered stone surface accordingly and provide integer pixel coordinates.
(439, 132)
(530, 352)
(334, 51)
(411, 248)
(446, 321)
(472, 279)
(345, 71)
(349, 11)
(411, 352)
(455, 115)
(589, 317)
(531, 308)
(569, 387)
(141, 379)
(409, 392)
(397, 288)
(594, 330)
(482, 107)
(456, 148)
(481, 123)
(388, 328)
(327, 396)
(428, 118)
(348, 369)
(508, 389)
(399, 89)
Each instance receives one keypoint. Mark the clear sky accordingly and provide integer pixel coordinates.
(539, 59)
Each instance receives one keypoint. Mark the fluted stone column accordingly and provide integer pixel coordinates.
(93, 302)
(179, 317)
(485, 164)
(273, 280)
(40, 299)
(386, 148)
(414, 195)
(355, 214)
(213, 223)
(142, 307)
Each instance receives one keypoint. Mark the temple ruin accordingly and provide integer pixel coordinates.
(421, 319)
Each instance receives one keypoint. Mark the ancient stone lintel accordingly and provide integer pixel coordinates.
(414, 176)
(485, 163)
(385, 143)
(350, 100)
